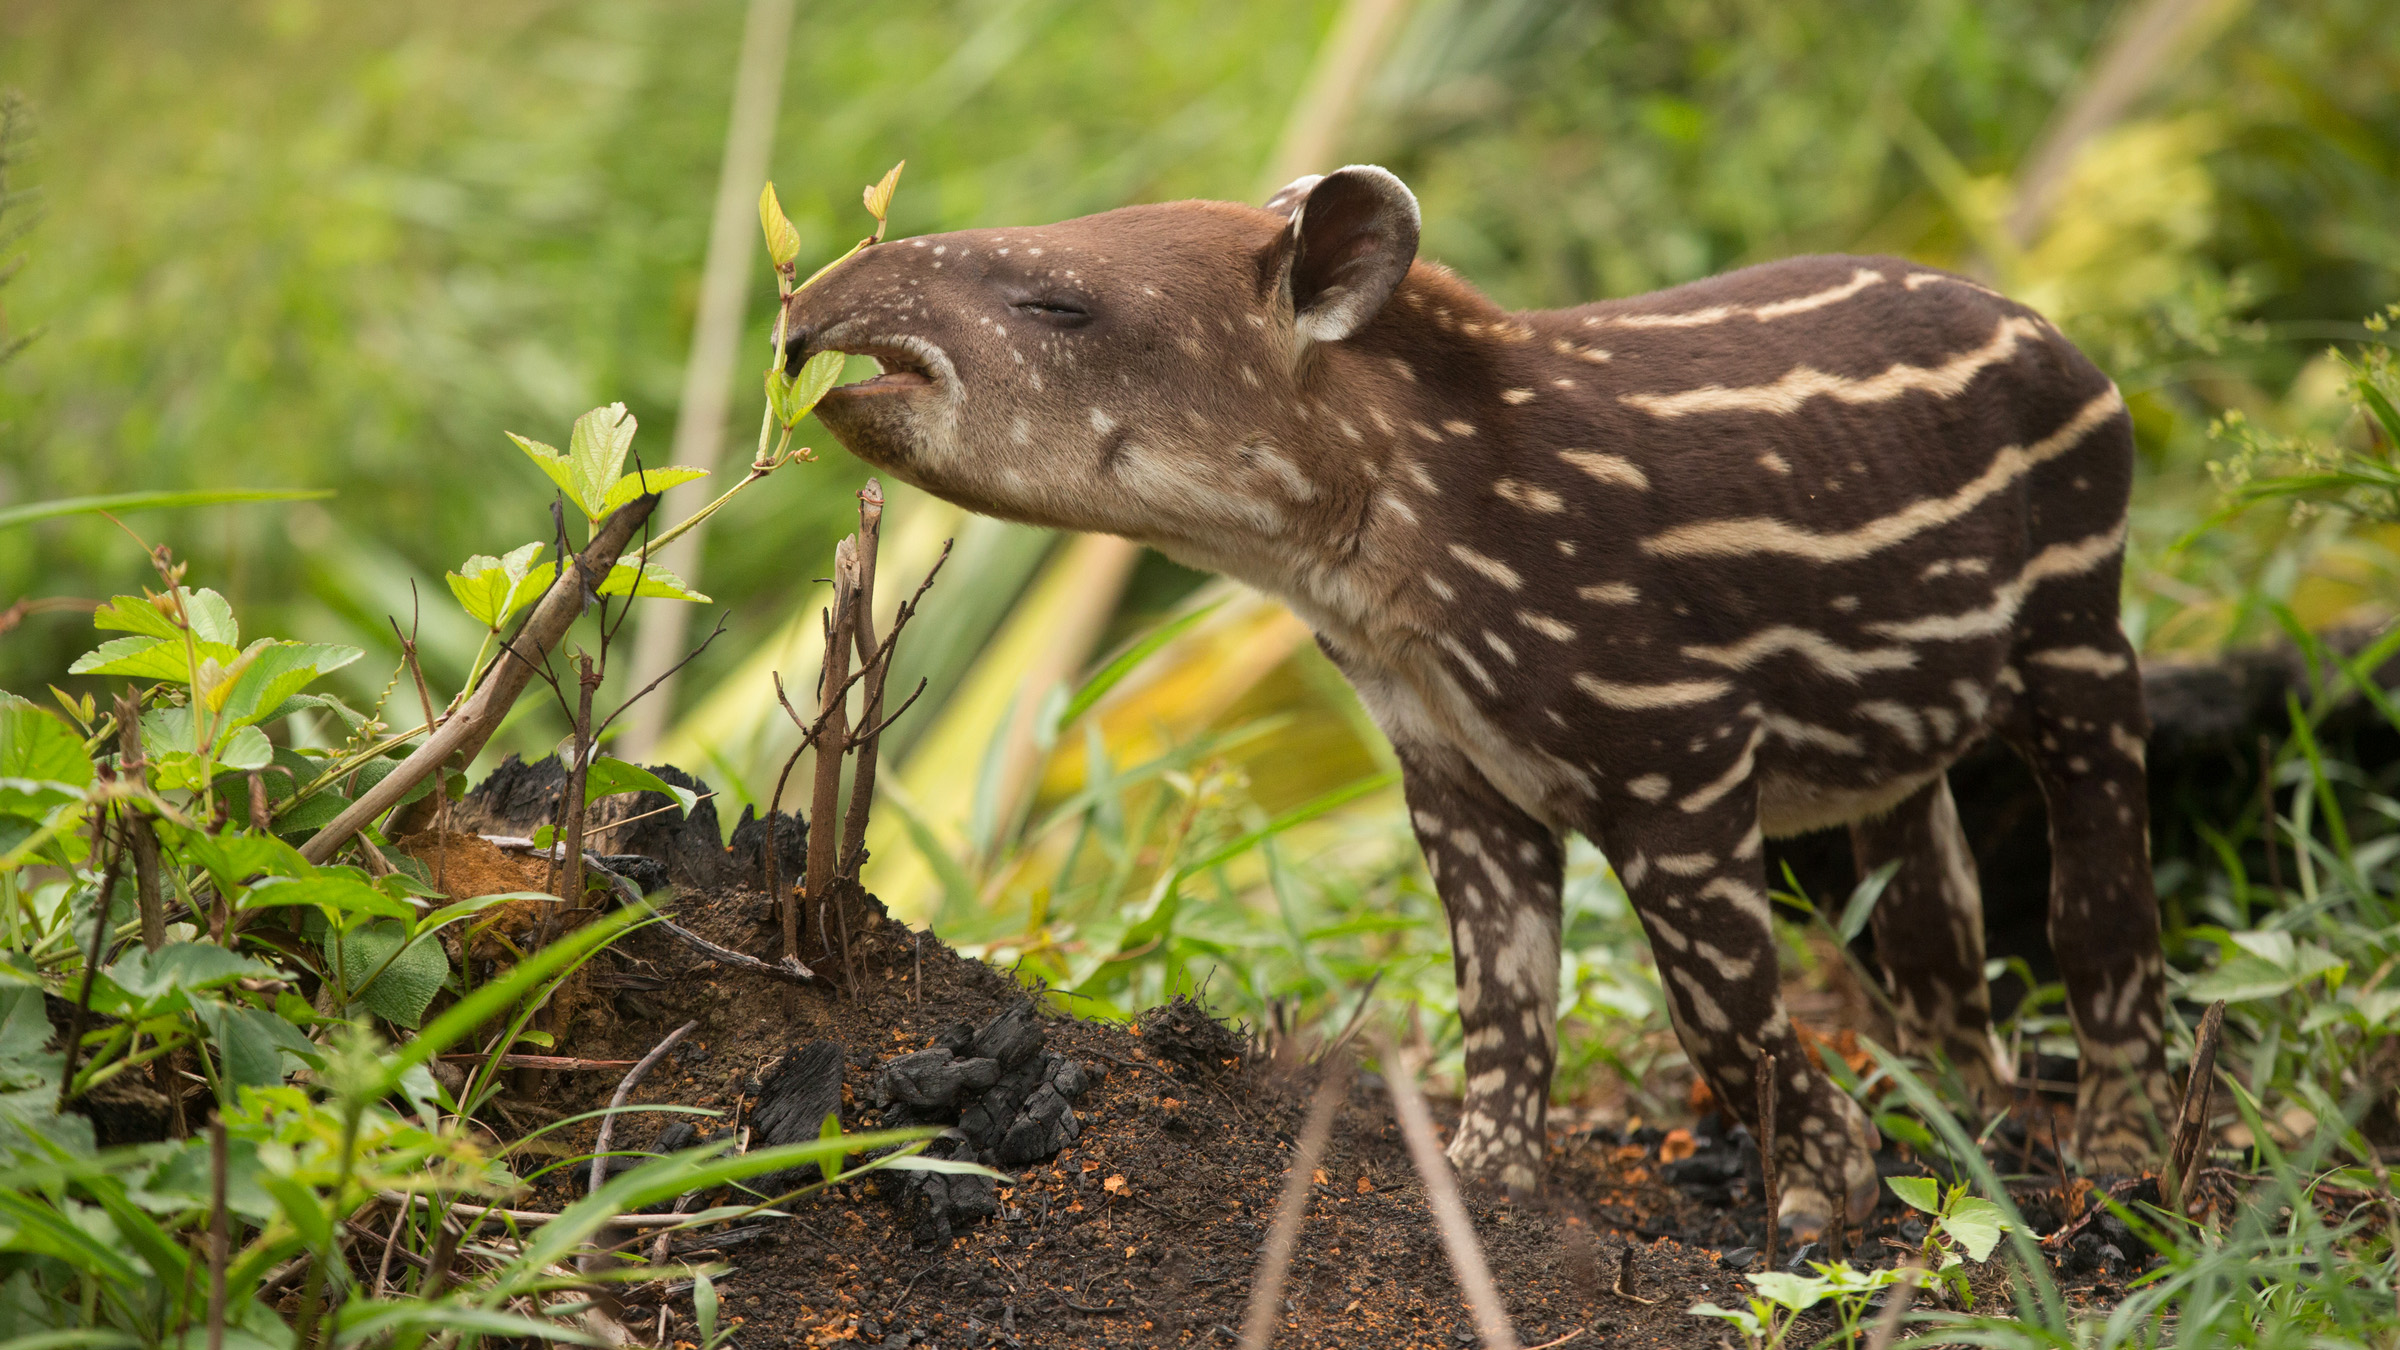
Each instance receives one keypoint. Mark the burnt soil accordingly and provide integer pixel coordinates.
(1146, 1228)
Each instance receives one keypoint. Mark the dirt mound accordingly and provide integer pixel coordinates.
(1146, 1163)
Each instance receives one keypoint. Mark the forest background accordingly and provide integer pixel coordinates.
(293, 244)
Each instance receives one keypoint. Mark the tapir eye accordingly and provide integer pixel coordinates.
(1059, 311)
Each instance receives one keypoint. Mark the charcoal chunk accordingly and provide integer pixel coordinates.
(1012, 1038)
(793, 1102)
(928, 1079)
(1011, 1100)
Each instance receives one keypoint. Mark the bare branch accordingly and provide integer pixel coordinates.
(1441, 1196)
(1275, 1260)
(465, 732)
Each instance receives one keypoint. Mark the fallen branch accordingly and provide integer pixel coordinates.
(790, 972)
(616, 1103)
(464, 732)
(1274, 1263)
(471, 1213)
(1441, 1196)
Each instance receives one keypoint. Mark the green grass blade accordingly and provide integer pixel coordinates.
(152, 501)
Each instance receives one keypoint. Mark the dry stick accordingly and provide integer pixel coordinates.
(138, 835)
(143, 841)
(219, 1239)
(391, 1244)
(2191, 1123)
(1766, 1152)
(464, 732)
(523, 1216)
(1274, 1263)
(1441, 1196)
(870, 655)
(825, 804)
(1837, 1227)
(633, 1076)
(91, 967)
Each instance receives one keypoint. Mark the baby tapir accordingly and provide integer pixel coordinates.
(1753, 556)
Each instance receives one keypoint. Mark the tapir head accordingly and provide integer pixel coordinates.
(1133, 372)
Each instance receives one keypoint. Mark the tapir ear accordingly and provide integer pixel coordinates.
(1352, 236)
(1287, 199)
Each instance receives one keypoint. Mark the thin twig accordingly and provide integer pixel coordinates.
(633, 1076)
(391, 1244)
(1441, 1196)
(825, 801)
(91, 969)
(471, 1213)
(1766, 1154)
(1274, 1262)
(794, 972)
(2191, 1123)
(873, 656)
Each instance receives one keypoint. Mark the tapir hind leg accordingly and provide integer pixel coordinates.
(2079, 723)
(1928, 927)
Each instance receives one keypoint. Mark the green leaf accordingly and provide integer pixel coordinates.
(277, 672)
(1862, 900)
(253, 1045)
(655, 581)
(24, 1032)
(704, 1306)
(550, 462)
(814, 379)
(1975, 1224)
(246, 749)
(643, 482)
(1108, 676)
(608, 777)
(42, 763)
(149, 979)
(122, 502)
(1740, 1317)
(1796, 1292)
(344, 899)
(783, 242)
(135, 614)
(211, 616)
(597, 449)
(1920, 1193)
(491, 589)
(140, 658)
(412, 972)
(362, 1323)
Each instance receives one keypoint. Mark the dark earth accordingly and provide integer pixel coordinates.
(1146, 1159)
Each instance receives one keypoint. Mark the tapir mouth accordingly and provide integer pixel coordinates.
(902, 366)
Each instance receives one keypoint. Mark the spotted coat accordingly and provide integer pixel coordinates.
(1753, 556)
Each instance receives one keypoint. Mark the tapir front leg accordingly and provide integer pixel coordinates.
(1497, 870)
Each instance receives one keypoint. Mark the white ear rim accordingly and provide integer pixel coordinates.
(1289, 197)
(1341, 310)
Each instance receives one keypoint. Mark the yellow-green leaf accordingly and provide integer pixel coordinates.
(783, 242)
(597, 449)
(550, 461)
(879, 197)
(815, 378)
(655, 581)
(646, 481)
